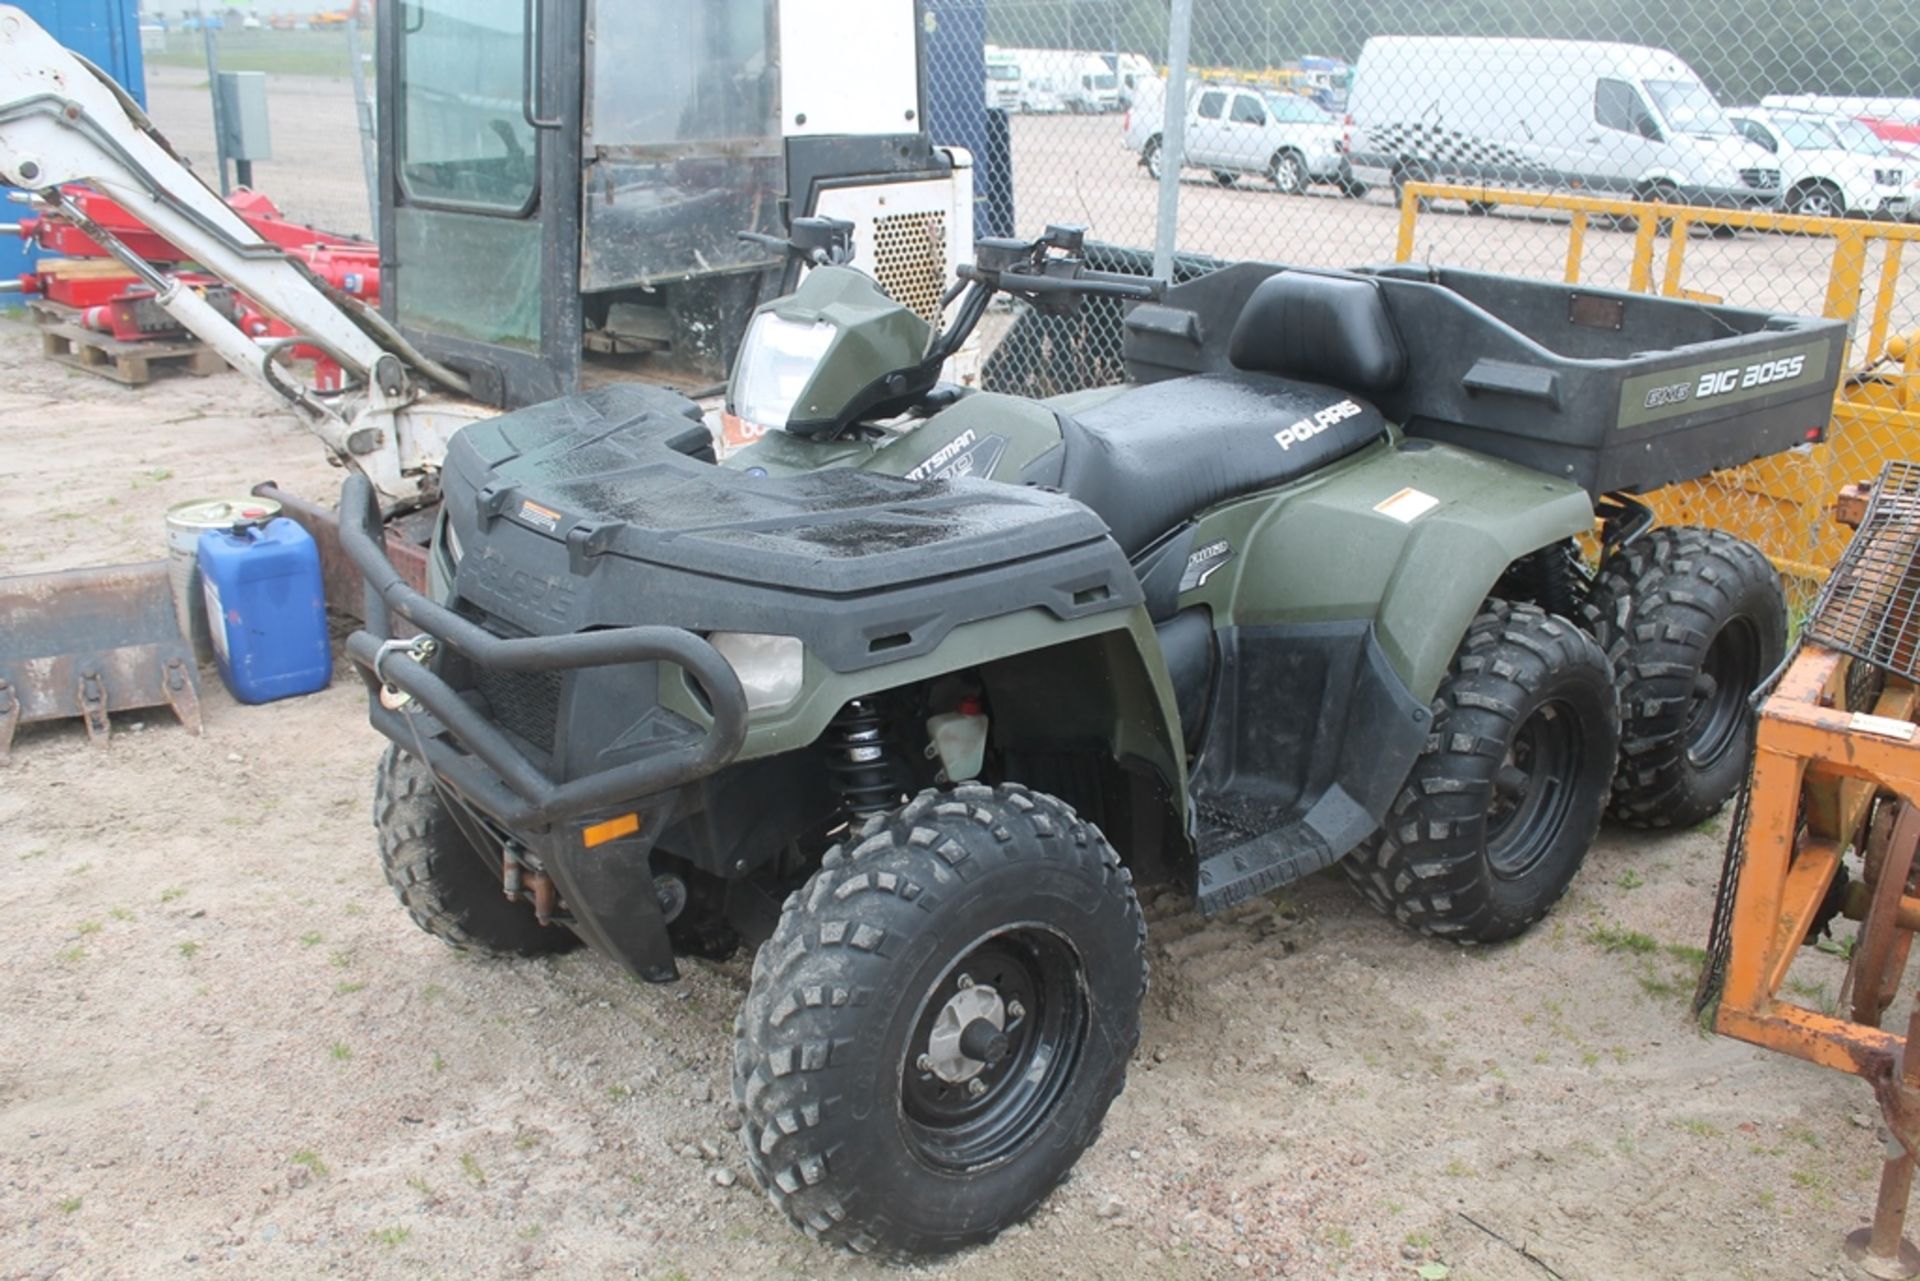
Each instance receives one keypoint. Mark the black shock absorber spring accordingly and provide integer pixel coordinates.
(859, 761)
(1562, 584)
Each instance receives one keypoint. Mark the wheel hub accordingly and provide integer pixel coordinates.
(969, 1034)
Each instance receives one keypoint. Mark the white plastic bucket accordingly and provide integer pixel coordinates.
(185, 523)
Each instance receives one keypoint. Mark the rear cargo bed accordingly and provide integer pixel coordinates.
(1617, 392)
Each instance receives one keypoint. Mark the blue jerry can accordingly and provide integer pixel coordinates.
(266, 609)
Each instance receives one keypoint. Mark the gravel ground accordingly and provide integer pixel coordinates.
(228, 1054)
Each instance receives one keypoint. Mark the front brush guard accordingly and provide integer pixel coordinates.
(491, 771)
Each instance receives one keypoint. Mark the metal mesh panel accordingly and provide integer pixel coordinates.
(1307, 123)
(526, 703)
(1870, 607)
(911, 260)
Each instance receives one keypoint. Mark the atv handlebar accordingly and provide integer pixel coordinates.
(1109, 284)
(510, 785)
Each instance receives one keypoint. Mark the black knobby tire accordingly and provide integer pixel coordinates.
(1693, 620)
(1224, 177)
(447, 887)
(846, 1128)
(1817, 199)
(1497, 814)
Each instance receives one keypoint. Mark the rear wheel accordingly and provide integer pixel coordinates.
(1497, 814)
(1693, 620)
(938, 1026)
(1817, 200)
(1410, 171)
(1150, 157)
(446, 885)
(1223, 177)
(1288, 173)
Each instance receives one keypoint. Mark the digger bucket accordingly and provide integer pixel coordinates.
(90, 642)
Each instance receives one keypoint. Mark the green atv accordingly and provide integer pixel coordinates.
(913, 691)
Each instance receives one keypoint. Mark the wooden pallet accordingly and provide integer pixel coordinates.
(64, 340)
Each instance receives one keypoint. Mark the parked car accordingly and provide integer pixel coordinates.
(1238, 129)
(1830, 165)
(1606, 118)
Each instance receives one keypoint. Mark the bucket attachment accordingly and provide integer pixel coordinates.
(90, 642)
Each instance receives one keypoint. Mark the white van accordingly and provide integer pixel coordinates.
(1607, 118)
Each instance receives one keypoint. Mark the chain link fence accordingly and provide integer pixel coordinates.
(1305, 124)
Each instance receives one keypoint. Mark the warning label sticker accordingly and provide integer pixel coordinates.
(1407, 506)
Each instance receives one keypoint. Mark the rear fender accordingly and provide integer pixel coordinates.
(1410, 536)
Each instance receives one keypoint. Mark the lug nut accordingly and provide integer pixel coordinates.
(924, 1063)
(976, 1087)
(965, 981)
(1015, 1010)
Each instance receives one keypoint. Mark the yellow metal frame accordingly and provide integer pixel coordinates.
(1777, 503)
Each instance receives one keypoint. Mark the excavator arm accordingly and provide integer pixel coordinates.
(62, 120)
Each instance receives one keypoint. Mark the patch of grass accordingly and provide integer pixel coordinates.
(80, 869)
(340, 960)
(1630, 880)
(348, 989)
(1655, 986)
(1842, 948)
(171, 893)
(310, 1159)
(1457, 1169)
(120, 914)
(1590, 1058)
(420, 1185)
(69, 1204)
(1611, 938)
(471, 1168)
(341, 1051)
(439, 1064)
(525, 1140)
(68, 955)
(392, 1236)
(1699, 1128)
(1804, 1135)
(1811, 1179)
(87, 927)
(530, 1233)
(1687, 954)
(617, 1092)
(189, 949)
(1339, 1238)
(312, 938)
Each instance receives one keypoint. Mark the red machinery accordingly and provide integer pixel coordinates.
(111, 299)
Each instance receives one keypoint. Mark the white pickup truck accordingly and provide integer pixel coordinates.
(1238, 129)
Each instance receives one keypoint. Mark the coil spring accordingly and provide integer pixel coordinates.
(859, 763)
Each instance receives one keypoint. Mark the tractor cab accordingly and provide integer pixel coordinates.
(561, 182)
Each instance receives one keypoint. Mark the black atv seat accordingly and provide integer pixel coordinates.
(1156, 454)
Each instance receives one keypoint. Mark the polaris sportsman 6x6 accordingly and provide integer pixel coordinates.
(911, 692)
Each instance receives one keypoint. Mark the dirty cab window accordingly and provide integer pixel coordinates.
(464, 136)
(665, 71)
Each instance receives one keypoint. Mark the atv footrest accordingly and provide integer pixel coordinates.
(1253, 867)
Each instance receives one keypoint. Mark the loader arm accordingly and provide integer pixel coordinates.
(64, 121)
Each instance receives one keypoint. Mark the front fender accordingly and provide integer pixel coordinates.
(1410, 536)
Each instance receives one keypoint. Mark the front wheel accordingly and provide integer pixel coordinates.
(1223, 177)
(445, 883)
(1497, 813)
(1693, 620)
(940, 1022)
(1818, 200)
(1288, 173)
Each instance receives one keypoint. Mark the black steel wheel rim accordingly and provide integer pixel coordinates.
(947, 1124)
(1728, 674)
(1533, 790)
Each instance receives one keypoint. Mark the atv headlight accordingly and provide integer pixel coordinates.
(770, 668)
(777, 360)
